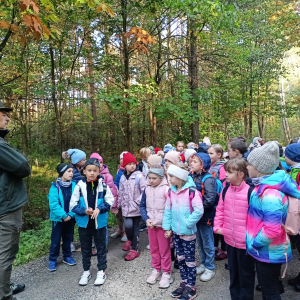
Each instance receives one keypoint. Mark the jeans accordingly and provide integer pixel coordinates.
(10, 227)
(268, 277)
(132, 226)
(242, 274)
(61, 231)
(206, 248)
(86, 235)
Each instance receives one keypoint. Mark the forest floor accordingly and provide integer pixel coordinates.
(125, 280)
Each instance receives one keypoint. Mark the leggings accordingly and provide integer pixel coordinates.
(132, 226)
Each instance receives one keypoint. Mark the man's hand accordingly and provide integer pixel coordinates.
(89, 211)
(149, 223)
(168, 234)
(95, 213)
(68, 218)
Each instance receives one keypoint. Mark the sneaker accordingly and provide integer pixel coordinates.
(201, 269)
(148, 247)
(52, 266)
(69, 261)
(165, 281)
(124, 238)
(176, 264)
(153, 277)
(17, 288)
(295, 281)
(132, 255)
(116, 234)
(143, 227)
(207, 275)
(188, 294)
(85, 277)
(179, 291)
(72, 247)
(101, 277)
(220, 255)
(94, 251)
(127, 246)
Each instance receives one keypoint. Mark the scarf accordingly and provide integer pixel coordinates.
(257, 181)
(63, 183)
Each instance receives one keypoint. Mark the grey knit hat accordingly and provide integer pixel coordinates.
(265, 159)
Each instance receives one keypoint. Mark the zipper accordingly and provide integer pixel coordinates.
(177, 213)
(232, 215)
(96, 222)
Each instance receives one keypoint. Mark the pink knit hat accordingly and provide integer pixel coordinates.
(96, 155)
(173, 157)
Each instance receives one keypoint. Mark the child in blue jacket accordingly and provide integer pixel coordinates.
(62, 218)
(91, 202)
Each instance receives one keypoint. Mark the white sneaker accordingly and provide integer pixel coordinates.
(124, 238)
(101, 277)
(148, 247)
(207, 275)
(201, 269)
(85, 277)
(153, 277)
(165, 281)
(72, 247)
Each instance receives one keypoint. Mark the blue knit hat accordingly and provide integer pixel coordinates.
(76, 155)
(168, 147)
(255, 139)
(293, 152)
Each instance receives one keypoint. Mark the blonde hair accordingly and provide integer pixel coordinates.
(143, 152)
(218, 148)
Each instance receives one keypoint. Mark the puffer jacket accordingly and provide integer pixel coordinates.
(76, 175)
(209, 185)
(119, 174)
(130, 194)
(154, 201)
(109, 180)
(265, 238)
(231, 215)
(177, 215)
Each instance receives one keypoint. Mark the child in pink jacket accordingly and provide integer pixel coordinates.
(230, 221)
(132, 185)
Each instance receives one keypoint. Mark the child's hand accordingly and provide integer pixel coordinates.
(219, 231)
(89, 211)
(95, 213)
(68, 218)
(168, 234)
(114, 211)
(149, 223)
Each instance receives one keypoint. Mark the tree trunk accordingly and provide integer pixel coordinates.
(250, 110)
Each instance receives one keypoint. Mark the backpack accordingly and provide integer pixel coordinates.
(251, 188)
(219, 187)
(192, 191)
(215, 170)
(137, 180)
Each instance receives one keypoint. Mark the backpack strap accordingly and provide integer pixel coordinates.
(169, 195)
(225, 190)
(137, 180)
(104, 189)
(192, 192)
(202, 182)
(251, 188)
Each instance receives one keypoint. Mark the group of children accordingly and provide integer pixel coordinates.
(185, 197)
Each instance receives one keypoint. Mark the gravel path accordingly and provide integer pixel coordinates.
(125, 280)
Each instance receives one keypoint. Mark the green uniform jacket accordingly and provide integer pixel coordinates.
(13, 168)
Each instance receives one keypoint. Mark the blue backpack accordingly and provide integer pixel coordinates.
(219, 187)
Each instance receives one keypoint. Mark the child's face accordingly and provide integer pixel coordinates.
(130, 167)
(190, 161)
(68, 175)
(91, 172)
(175, 181)
(253, 173)
(289, 162)
(81, 163)
(121, 161)
(234, 177)
(101, 165)
(180, 147)
(214, 156)
(197, 165)
(154, 180)
(168, 163)
(232, 153)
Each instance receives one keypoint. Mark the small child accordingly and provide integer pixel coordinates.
(205, 236)
(152, 209)
(180, 148)
(188, 156)
(62, 218)
(230, 221)
(78, 158)
(144, 154)
(132, 185)
(236, 148)
(182, 212)
(91, 205)
(171, 158)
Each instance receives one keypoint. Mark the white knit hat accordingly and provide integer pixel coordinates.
(265, 159)
(121, 155)
(188, 153)
(178, 172)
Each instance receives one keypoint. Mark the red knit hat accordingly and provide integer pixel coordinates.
(128, 158)
(156, 150)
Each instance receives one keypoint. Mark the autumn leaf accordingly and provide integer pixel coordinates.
(106, 8)
(4, 24)
(27, 20)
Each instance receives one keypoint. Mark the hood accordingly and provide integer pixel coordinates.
(3, 133)
(105, 170)
(282, 182)
(203, 148)
(190, 183)
(205, 159)
(163, 182)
